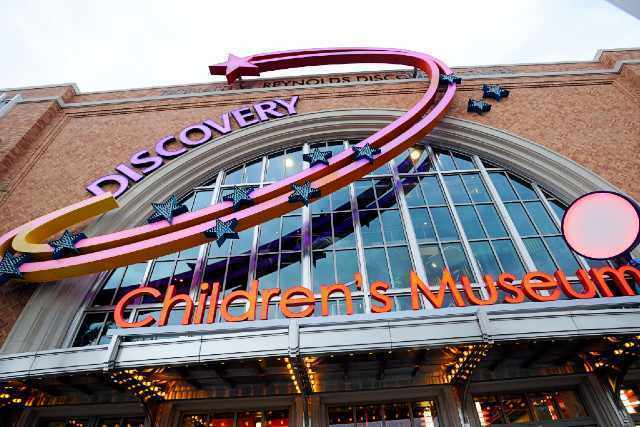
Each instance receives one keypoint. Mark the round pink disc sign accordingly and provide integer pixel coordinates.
(601, 225)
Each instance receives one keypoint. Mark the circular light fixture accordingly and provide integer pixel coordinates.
(602, 225)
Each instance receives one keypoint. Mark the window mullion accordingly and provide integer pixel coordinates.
(306, 235)
(253, 257)
(506, 218)
(456, 219)
(414, 249)
(362, 266)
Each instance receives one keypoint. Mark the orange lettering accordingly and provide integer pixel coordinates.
(118, 313)
(202, 302)
(267, 294)
(327, 290)
(570, 291)
(543, 281)
(377, 293)
(617, 275)
(490, 287)
(505, 283)
(251, 296)
(291, 298)
(213, 304)
(170, 301)
(437, 300)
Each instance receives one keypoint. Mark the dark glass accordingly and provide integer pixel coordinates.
(445, 161)
(558, 208)
(120, 422)
(197, 420)
(432, 191)
(275, 167)
(400, 266)
(412, 192)
(277, 418)
(470, 222)
(570, 406)
(476, 188)
(433, 263)
(370, 227)
(403, 303)
(483, 254)
(291, 233)
(132, 279)
(183, 276)
(425, 414)
(251, 419)
(237, 274)
(463, 162)
(267, 271)
(503, 187)
(377, 265)
(523, 188)
(385, 194)
(369, 415)
(341, 199)
(422, 225)
(321, 235)
(234, 176)
(392, 225)
(322, 269)
(105, 296)
(89, 329)
(540, 255)
(365, 194)
(520, 219)
(346, 265)
(541, 218)
(358, 306)
(457, 260)
(444, 224)
(215, 270)
(160, 277)
(290, 270)
(543, 407)
(110, 324)
(253, 171)
(340, 416)
(191, 253)
(456, 189)
(562, 254)
(221, 419)
(515, 409)
(491, 220)
(270, 236)
(489, 410)
(508, 257)
(344, 233)
(321, 205)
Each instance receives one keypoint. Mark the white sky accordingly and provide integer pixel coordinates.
(115, 44)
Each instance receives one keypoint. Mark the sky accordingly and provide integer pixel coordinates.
(116, 44)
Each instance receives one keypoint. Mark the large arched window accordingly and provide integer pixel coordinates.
(427, 210)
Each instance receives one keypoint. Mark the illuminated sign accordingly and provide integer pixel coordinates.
(298, 301)
(191, 136)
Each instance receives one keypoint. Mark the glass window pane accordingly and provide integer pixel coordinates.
(132, 279)
(291, 233)
(432, 191)
(160, 277)
(558, 208)
(382, 170)
(540, 255)
(267, 271)
(425, 414)
(470, 222)
(270, 236)
(215, 250)
(275, 167)
(422, 225)
(503, 187)
(476, 188)
(321, 205)
(321, 236)
(456, 189)
(492, 222)
(234, 176)
(515, 409)
(191, 253)
(89, 329)
(253, 172)
(215, 270)
(243, 244)
(457, 260)
(220, 420)
(377, 265)
(570, 405)
(520, 219)
(563, 255)
(463, 162)
(346, 265)
(341, 416)
(183, 275)
(412, 193)
(277, 418)
(445, 161)
(543, 408)
(105, 296)
(322, 269)
(370, 226)
(369, 415)
(202, 200)
(293, 161)
(444, 224)
(488, 410)
(365, 195)
(341, 199)
(524, 189)
(433, 263)
(384, 193)
(541, 218)
(400, 266)
(484, 255)
(344, 233)
(290, 270)
(237, 273)
(508, 257)
(392, 225)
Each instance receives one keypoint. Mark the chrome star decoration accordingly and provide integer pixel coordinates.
(365, 152)
(240, 197)
(10, 266)
(167, 210)
(316, 156)
(450, 78)
(303, 193)
(66, 244)
(223, 230)
(494, 91)
(475, 106)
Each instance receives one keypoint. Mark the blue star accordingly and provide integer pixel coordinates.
(66, 244)
(450, 78)
(365, 152)
(474, 106)
(316, 156)
(240, 197)
(223, 230)
(10, 266)
(167, 210)
(494, 91)
(303, 193)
